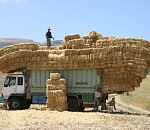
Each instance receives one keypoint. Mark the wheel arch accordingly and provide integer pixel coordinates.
(19, 96)
(77, 97)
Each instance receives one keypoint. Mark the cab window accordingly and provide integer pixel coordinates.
(6, 84)
(12, 80)
(20, 80)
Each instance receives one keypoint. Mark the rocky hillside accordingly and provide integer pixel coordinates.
(54, 43)
(11, 41)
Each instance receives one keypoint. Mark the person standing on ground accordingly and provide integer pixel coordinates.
(97, 98)
(48, 37)
(110, 105)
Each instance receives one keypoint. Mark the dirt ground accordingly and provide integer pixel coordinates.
(126, 117)
(35, 119)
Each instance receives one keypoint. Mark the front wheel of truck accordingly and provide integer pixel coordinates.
(73, 104)
(14, 104)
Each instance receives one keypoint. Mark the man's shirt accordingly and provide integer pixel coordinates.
(97, 94)
(49, 35)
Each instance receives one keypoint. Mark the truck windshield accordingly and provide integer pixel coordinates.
(10, 81)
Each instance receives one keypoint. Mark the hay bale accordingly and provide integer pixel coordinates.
(75, 44)
(71, 37)
(85, 37)
(54, 76)
(56, 93)
(56, 87)
(94, 34)
(43, 108)
(62, 81)
(57, 100)
(54, 81)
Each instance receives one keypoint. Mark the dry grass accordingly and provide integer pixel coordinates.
(141, 96)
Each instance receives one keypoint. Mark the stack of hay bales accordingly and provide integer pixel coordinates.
(122, 59)
(75, 41)
(56, 93)
(94, 36)
(71, 40)
(16, 56)
(18, 47)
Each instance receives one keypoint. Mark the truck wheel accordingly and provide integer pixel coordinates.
(14, 104)
(26, 105)
(81, 108)
(73, 104)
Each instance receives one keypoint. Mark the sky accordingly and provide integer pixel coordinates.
(29, 19)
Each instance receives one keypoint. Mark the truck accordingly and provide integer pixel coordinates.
(29, 87)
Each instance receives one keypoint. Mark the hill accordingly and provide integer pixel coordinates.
(140, 97)
(11, 41)
(54, 43)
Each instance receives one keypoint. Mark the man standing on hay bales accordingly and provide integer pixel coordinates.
(48, 37)
(97, 98)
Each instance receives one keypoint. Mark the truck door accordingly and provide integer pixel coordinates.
(9, 87)
(20, 85)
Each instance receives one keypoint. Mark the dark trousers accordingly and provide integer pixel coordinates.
(96, 105)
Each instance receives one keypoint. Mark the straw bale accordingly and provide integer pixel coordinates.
(86, 46)
(88, 41)
(71, 52)
(71, 36)
(56, 87)
(118, 88)
(145, 44)
(54, 81)
(42, 47)
(94, 34)
(60, 47)
(43, 108)
(55, 94)
(68, 46)
(85, 37)
(75, 44)
(71, 42)
(75, 47)
(62, 81)
(28, 46)
(57, 100)
(41, 53)
(54, 76)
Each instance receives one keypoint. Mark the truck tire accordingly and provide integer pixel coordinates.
(14, 104)
(73, 104)
(81, 108)
(26, 105)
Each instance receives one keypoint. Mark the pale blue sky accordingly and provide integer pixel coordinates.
(30, 19)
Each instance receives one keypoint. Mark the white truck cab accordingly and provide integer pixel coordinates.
(14, 83)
